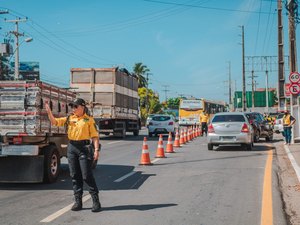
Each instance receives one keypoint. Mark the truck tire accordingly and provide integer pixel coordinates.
(51, 164)
(210, 147)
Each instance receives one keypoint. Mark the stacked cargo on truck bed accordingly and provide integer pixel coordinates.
(112, 97)
(27, 137)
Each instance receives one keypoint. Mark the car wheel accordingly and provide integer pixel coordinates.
(269, 138)
(249, 146)
(210, 146)
(256, 136)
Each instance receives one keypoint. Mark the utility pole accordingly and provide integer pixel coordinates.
(292, 8)
(1, 64)
(166, 90)
(17, 34)
(244, 76)
(267, 86)
(229, 76)
(281, 80)
(253, 88)
(147, 98)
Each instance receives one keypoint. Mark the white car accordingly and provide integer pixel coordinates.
(161, 124)
(278, 125)
(230, 128)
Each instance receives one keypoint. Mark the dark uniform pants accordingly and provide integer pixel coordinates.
(80, 160)
(204, 128)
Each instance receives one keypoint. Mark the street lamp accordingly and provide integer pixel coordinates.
(29, 39)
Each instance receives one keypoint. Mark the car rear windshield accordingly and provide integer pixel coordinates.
(228, 118)
(161, 118)
(280, 116)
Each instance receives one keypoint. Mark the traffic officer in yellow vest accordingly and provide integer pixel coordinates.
(81, 129)
(204, 117)
(288, 122)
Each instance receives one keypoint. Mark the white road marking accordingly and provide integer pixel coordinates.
(293, 161)
(125, 176)
(113, 142)
(62, 211)
(155, 160)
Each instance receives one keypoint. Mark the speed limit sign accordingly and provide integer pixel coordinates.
(294, 77)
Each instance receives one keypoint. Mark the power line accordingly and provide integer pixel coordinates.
(205, 7)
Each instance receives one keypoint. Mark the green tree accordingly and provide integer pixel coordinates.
(173, 103)
(152, 102)
(140, 71)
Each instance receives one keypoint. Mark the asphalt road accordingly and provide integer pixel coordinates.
(193, 186)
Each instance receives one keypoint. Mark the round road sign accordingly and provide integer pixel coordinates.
(294, 77)
(294, 89)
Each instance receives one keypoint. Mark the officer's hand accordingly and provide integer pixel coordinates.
(96, 155)
(47, 108)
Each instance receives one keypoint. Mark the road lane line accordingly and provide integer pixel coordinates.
(113, 142)
(293, 162)
(267, 202)
(125, 176)
(62, 211)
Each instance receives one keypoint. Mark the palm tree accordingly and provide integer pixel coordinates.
(140, 70)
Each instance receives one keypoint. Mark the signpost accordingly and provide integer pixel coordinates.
(295, 83)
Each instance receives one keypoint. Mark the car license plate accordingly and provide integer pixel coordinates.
(227, 138)
(159, 129)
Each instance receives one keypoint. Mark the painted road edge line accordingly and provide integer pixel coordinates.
(125, 176)
(113, 142)
(267, 202)
(62, 211)
(293, 161)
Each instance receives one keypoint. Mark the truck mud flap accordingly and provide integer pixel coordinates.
(21, 169)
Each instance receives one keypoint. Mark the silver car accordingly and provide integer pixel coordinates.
(230, 128)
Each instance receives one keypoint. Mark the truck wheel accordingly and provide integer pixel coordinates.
(51, 164)
(210, 147)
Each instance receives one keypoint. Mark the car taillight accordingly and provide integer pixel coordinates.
(150, 123)
(245, 128)
(171, 123)
(17, 140)
(210, 129)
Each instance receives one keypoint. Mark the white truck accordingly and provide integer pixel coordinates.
(30, 148)
(112, 97)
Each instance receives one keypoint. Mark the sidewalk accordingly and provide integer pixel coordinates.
(288, 157)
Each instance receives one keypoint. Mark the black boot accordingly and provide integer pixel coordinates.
(96, 203)
(78, 203)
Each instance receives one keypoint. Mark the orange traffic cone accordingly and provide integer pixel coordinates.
(185, 136)
(160, 152)
(188, 138)
(170, 144)
(145, 158)
(181, 139)
(176, 142)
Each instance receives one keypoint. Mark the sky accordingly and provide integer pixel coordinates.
(187, 44)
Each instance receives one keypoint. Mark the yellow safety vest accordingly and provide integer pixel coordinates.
(287, 120)
(79, 127)
(204, 118)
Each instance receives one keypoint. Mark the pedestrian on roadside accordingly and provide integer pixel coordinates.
(204, 117)
(288, 122)
(81, 128)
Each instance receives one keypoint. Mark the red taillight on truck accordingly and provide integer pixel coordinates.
(211, 129)
(245, 128)
(17, 140)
